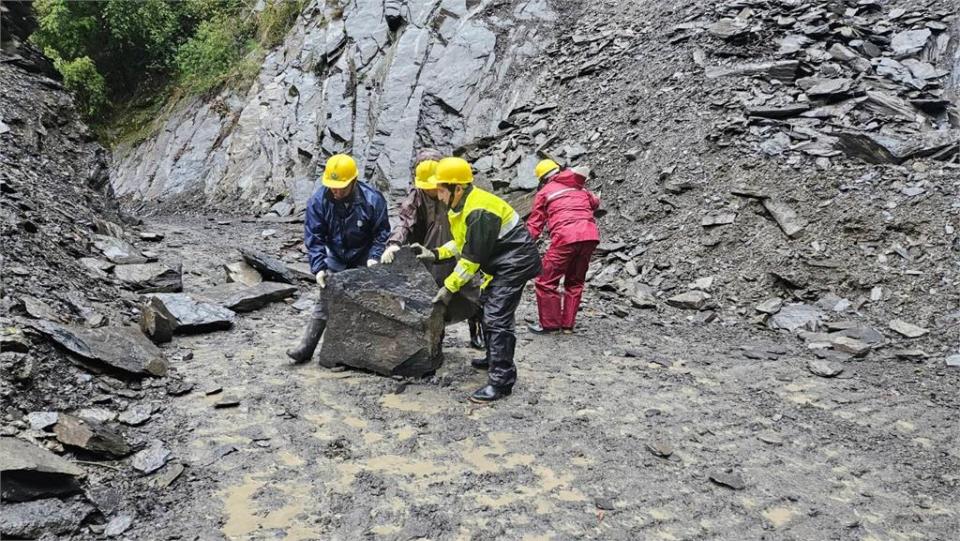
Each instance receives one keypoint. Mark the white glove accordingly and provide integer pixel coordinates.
(423, 253)
(372, 262)
(322, 279)
(389, 254)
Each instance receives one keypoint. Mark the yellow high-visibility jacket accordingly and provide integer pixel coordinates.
(489, 237)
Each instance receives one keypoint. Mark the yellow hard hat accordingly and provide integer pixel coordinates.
(545, 167)
(424, 178)
(339, 171)
(453, 171)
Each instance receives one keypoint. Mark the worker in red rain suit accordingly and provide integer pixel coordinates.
(566, 208)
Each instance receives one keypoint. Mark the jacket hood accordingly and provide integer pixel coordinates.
(569, 177)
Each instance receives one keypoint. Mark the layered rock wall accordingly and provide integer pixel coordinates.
(355, 79)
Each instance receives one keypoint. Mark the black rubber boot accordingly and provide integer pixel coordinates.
(304, 351)
(476, 333)
(490, 393)
(480, 363)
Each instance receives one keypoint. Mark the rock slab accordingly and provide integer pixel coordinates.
(121, 348)
(242, 298)
(151, 277)
(270, 268)
(30, 520)
(166, 313)
(382, 319)
(90, 436)
(30, 472)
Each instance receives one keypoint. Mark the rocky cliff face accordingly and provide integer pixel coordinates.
(374, 78)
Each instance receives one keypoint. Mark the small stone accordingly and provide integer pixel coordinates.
(136, 415)
(152, 458)
(118, 525)
(794, 317)
(907, 329)
(849, 345)
(227, 401)
(90, 436)
(41, 420)
(824, 369)
(691, 300)
(953, 361)
(169, 474)
(604, 504)
(660, 448)
(770, 306)
(728, 479)
(770, 438)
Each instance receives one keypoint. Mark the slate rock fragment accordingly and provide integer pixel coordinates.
(30, 471)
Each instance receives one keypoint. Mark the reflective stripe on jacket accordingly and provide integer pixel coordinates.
(566, 208)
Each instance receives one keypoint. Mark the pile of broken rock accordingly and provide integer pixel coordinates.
(861, 78)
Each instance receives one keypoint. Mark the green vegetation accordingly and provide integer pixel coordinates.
(121, 56)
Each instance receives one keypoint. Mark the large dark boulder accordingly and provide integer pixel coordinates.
(381, 319)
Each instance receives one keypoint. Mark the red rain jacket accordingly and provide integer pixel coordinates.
(566, 208)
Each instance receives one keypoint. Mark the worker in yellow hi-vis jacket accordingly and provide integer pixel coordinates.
(488, 237)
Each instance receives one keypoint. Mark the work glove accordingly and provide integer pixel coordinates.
(322, 279)
(443, 296)
(423, 253)
(389, 253)
(372, 262)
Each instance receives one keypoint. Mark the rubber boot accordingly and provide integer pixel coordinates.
(490, 393)
(476, 333)
(304, 351)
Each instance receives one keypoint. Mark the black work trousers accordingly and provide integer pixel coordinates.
(500, 304)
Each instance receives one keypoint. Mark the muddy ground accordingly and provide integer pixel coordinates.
(312, 453)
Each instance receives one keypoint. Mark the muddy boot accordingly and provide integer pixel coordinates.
(490, 393)
(304, 351)
(476, 333)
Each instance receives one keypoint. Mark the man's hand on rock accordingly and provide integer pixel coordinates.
(389, 253)
(423, 253)
(322, 279)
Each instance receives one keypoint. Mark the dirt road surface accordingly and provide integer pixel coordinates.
(631, 429)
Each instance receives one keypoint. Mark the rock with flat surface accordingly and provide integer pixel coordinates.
(118, 525)
(151, 277)
(907, 329)
(382, 319)
(909, 42)
(785, 216)
(691, 300)
(118, 251)
(120, 348)
(269, 267)
(242, 298)
(90, 436)
(849, 345)
(880, 148)
(242, 272)
(782, 69)
(731, 480)
(182, 314)
(794, 317)
(824, 369)
(152, 458)
(31, 520)
(770, 306)
(30, 472)
(41, 420)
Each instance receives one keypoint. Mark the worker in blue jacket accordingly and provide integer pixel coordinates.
(346, 227)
